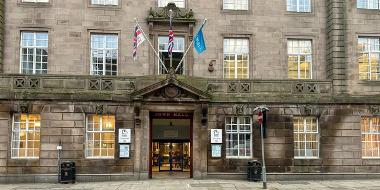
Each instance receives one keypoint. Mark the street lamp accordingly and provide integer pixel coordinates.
(262, 109)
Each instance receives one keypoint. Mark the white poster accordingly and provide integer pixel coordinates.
(124, 151)
(124, 135)
(216, 136)
(216, 150)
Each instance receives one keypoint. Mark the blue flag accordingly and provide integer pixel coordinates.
(199, 42)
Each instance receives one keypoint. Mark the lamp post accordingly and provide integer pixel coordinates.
(262, 109)
(59, 149)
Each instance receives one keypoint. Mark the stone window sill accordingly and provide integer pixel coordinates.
(31, 4)
(236, 12)
(300, 14)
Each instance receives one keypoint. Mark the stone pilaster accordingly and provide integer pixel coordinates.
(2, 20)
(336, 54)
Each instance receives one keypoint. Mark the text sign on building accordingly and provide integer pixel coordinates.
(216, 136)
(124, 135)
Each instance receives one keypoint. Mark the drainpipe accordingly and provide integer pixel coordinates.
(2, 22)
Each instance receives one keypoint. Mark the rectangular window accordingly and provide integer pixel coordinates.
(34, 52)
(306, 137)
(368, 4)
(300, 6)
(26, 136)
(178, 3)
(100, 136)
(105, 2)
(369, 58)
(235, 4)
(36, 1)
(299, 59)
(236, 58)
(104, 54)
(239, 137)
(178, 52)
(370, 137)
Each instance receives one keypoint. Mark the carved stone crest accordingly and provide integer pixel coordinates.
(375, 110)
(163, 13)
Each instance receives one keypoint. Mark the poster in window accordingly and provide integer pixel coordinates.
(216, 136)
(124, 135)
(216, 150)
(124, 151)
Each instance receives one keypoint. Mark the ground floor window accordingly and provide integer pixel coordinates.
(370, 137)
(100, 136)
(306, 137)
(26, 136)
(239, 137)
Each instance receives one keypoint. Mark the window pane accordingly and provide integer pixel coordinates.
(299, 59)
(306, 137)
(236, 58)
(238, 140)
(104, 54)
(26, 136)
(100, 136)
(34, 56)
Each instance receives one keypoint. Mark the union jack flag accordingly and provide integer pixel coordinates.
(138, 39)
(171, 38)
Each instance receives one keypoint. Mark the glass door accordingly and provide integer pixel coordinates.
(171, 156)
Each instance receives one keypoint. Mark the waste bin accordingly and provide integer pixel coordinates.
(254, 170)
(67, 172)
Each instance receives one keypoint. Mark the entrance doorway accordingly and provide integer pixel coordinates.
(171, 144)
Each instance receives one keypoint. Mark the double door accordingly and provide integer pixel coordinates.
(171, 156)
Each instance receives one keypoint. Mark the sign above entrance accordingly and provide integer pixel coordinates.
(124, 135)
(174, 115)
(216, 136)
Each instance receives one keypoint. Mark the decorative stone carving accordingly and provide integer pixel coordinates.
(375, 110)
(232, 88)
(163, 13)
(94, 84)
(26, 83)
(99, 109)
(311, 88)
(245, 87)
(171, 91)
(305, 88)
(299, 87)
(24, 108)
(239, 109)
(107, 85)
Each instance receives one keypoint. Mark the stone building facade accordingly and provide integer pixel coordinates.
(323, 118)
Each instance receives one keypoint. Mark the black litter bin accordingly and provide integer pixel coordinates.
(254, 170)
(67, 172)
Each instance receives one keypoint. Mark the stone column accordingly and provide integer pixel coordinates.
(2, 20)
(336, 53)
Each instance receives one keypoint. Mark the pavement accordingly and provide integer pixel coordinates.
(189, 184)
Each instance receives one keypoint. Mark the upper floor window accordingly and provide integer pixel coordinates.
(100, 136)
(36, 1)
(34, 52)
(105, 2)
(236, 58)
(239, 137)
(178, 3)
(369, 58)
(299, 6)
(370, 137)
(299, 59)
(178, 52)
(104, 54)
(235, 4)
(368, 4)
(306, 137)
(26, 136)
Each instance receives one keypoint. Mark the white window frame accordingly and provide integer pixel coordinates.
(101, 131)
(370, 4)
(27, 123)
(176, 49)
(105, 2)
(236, 54)
(178, 3)
(304, 124)
(371, 134)
(35, 1)
(370, 51)
(235, 3)
(298, 5)
(299, 54)
(34, 47)
(238, 132)
(104, 49)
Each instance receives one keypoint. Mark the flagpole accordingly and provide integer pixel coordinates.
(171, 53)
(191, 44)
(155, 52)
